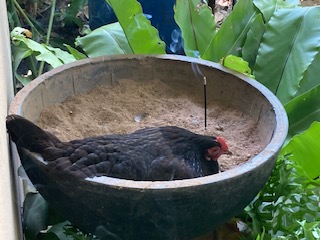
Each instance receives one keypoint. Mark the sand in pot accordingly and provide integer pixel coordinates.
(129, 105)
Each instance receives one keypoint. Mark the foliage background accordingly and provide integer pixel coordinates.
(276, 41)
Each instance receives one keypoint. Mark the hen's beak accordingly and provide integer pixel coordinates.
(228, 152)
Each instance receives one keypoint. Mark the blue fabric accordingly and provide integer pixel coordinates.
(159, 12)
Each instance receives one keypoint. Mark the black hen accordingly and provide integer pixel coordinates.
(157, 153)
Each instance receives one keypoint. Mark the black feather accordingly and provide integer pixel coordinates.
(158, 153)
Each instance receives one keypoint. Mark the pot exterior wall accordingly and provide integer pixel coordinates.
(182, 208)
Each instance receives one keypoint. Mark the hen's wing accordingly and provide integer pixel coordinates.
(164, 153)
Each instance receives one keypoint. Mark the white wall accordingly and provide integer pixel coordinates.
(9, 220)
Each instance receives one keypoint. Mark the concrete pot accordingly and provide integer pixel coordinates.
(155, 210)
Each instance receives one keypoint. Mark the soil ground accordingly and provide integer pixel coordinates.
(130, 105)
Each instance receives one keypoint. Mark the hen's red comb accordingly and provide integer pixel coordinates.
(224, 146)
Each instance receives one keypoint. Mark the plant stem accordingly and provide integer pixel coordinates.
(53, 8)
(15, 18)
(18, 7)
(205, 101)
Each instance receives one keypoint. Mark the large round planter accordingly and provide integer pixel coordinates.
(156, 210)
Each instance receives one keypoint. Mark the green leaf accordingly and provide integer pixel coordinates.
(53, 56)
(237, 64)
(307, 227)
(106, 40)
(304, 150)
(49, 236)
(18, 54)
(266, 7)
(303, 110)
(288, 3)
(22, 79)
(253, 40)
(24, 47)
(58, 230)
(233, 32)
(35, 214)
(310, 77)
(74, 7)
(286, 199)
(75, 53)
(63, 56)
(197, 25)
(287, 50)
(142, 36)
(42, 53)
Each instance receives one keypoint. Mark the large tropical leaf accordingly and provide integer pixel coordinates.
(289, 46)
(266, 7)
(42, 52)
(106, 40)
(257, 29)
(303, 110)
(288, 3)
(233, 32)
(142, 36)
(63, 56)
(310, 77)
(24, 47)
(197, 25)
(304, 150)
(18, 54)
(253, 40)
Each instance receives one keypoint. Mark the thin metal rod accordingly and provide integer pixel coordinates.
(196, 70)
(205, 101)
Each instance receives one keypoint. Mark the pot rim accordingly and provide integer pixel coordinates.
(273, 147)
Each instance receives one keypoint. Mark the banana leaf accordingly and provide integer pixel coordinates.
(289, 46)
(303, 110)
(106, 40)
(142, 36)
(197, 25)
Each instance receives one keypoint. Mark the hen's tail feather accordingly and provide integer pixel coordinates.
(27, 135)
